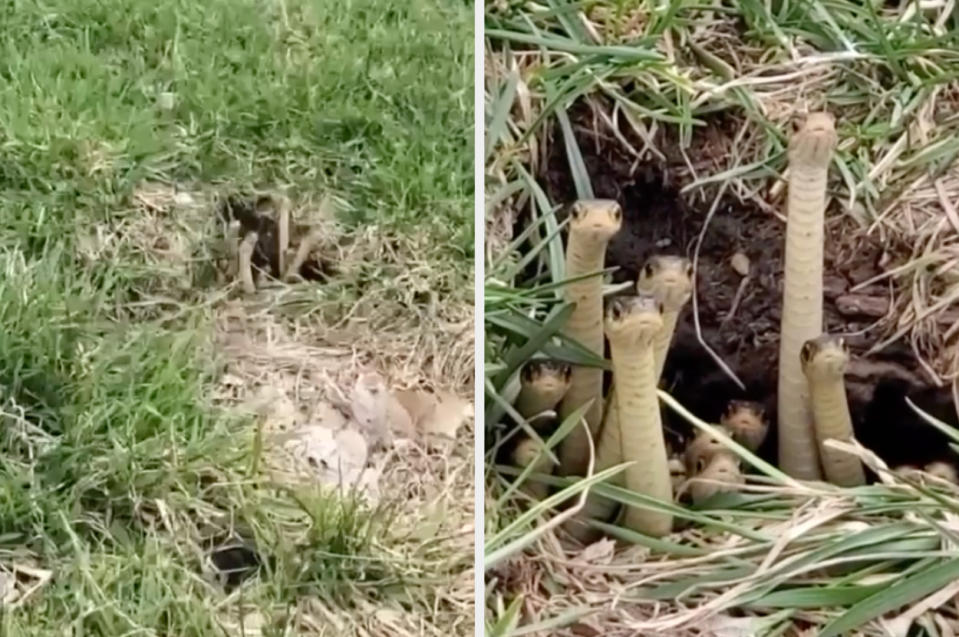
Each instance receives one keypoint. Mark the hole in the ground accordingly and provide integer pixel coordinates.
(658, 220)
(252, 217)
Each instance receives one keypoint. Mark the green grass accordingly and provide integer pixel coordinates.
(114, 468)
(635, 82)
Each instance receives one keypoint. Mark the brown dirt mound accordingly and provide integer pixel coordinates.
(744, 331)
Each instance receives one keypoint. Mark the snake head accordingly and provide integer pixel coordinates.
(746, 421)
(639, 316)
(548, 374)
(824, 356)
(814, 142)
(701, 450)
(669, 278)
(596, 219)
(721, 475)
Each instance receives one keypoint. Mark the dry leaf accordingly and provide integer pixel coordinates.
(401, 423)
(417, 403)
(446, 417)
(599, 552)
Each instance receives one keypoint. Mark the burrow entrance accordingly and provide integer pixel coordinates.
(739, 316)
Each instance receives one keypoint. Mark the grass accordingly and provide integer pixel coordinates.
(119, 469)
(650, 83)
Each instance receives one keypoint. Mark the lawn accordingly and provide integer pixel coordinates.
(682, 113)
(124, 463)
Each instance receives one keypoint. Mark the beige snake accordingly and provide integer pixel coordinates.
(746, 422)
(543, 383)
(526, 453)
(669, 280)
(823, 360)
(721, 475)
(632, 324)
(810, 152)
(593, 223)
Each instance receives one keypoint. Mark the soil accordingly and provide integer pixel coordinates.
(658, 220)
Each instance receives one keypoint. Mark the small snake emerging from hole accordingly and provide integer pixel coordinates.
(593, 223)
(632, 324)
(810, 151)
(746, 422)
(543, 383)
(823, 360)
(721, 475)
(669, 280)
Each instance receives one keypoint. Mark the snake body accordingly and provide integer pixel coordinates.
(543, 383)
(527, 452)
(810, 151)
(631, 326)
(823, 360)
(593, 223)
(669, 280)
(944, 470)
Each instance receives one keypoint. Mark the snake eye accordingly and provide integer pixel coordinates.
(805, 352)
(648, 270)
(689, 270)
(700, 465)
(576, 211)
(660, 307)
(617, 213)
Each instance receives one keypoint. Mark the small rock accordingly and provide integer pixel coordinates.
(740, 263)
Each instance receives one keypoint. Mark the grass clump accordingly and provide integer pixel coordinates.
(705, 97)
(122, 472)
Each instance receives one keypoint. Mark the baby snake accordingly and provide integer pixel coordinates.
(669, 280)
(593, 223)
(823, 361)
(632, 324)
(543, 383)
(810, 151)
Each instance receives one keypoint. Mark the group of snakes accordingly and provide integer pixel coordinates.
(625, 425)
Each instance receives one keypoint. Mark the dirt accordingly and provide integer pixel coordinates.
(657, 219)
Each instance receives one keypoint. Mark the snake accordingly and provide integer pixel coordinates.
(823, 361)
(746, 421)
(632, 324)
(810, 151)
(669, 280)
(944, 470)
(543, 383)
(721, 475)
(593, 222)
(526, 453)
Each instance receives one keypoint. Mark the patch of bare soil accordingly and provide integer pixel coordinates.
(739, 288)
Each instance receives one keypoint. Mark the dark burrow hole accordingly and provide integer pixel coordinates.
(657, 220)
(235, 561)
(243, 208)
